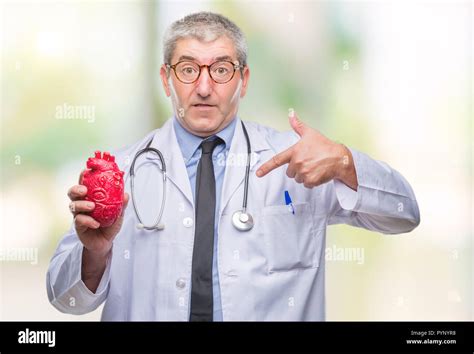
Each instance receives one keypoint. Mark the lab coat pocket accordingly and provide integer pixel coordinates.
(292, 241)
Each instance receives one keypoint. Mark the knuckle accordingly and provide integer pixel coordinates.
(276, 160)
(299, 163)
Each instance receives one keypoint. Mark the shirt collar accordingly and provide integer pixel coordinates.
(189, 143)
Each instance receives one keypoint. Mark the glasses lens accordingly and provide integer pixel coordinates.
(187, 71)
(222, 71)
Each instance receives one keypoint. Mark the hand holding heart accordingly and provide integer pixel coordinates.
(314, 159)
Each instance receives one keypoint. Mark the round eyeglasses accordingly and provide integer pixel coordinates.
(220, 72)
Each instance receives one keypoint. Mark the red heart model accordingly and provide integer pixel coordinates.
(105, 187)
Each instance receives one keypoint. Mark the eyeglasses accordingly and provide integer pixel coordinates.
(220, 72)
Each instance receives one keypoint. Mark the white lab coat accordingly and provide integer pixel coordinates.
(273, 272)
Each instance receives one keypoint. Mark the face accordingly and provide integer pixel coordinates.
(205, 107)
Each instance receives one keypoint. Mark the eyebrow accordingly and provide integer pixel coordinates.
(188, 57)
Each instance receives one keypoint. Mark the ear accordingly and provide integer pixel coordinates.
(164, 80)
(245, 80)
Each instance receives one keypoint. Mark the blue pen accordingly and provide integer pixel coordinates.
(289, 202)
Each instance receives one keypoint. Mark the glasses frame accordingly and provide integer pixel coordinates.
(235, 66)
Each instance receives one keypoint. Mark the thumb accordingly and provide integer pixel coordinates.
(298, 126)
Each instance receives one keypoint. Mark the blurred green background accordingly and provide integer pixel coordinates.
(392, 79)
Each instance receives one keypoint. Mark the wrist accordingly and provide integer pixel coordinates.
(345, 169)
(342, 162)
(94, 262)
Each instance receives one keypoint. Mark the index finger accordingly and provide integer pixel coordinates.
(275, 162)
(77, 192)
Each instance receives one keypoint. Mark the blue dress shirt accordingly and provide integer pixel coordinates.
(189, 145)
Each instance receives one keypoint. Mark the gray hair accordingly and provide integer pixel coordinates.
(206, 27)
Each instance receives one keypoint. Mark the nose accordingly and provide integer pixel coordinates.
(204, 83)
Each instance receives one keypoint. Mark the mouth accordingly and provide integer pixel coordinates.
(203, 105)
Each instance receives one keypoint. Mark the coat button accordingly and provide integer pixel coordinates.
(180, 283)
(188, 222)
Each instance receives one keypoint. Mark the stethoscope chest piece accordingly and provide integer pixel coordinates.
(242, 221)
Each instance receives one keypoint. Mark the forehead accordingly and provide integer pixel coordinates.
(204, 52)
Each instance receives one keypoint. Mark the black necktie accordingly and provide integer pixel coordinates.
(201, 278)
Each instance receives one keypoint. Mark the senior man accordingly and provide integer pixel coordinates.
(239, 239)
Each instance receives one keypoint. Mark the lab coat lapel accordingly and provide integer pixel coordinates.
(236, 160)
(166, 142)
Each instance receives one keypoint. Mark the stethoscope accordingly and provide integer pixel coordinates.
(241, 219)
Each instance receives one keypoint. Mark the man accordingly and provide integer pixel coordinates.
(200, 267)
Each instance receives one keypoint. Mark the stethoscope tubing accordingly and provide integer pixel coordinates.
(157, 225)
